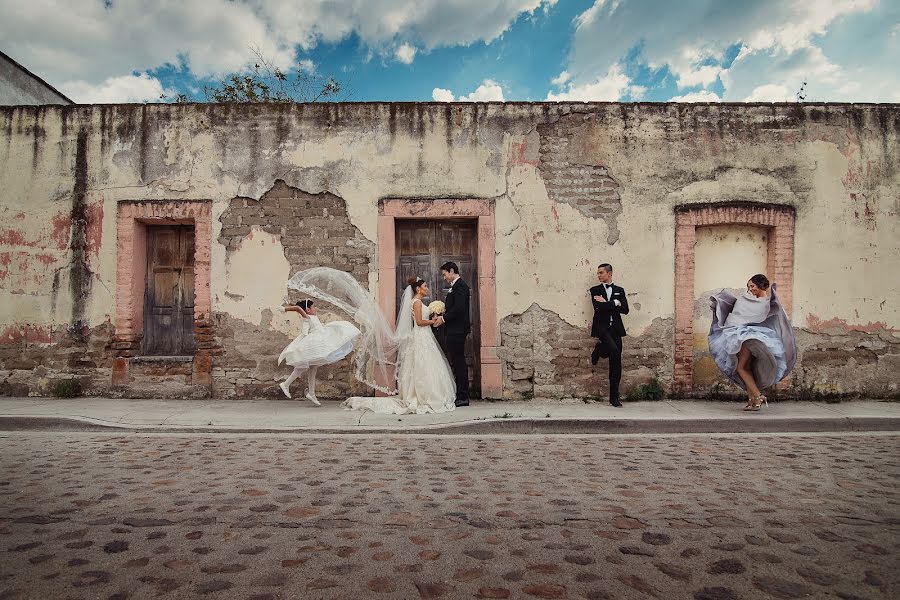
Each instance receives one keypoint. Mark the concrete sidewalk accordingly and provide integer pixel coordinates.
(538, 416)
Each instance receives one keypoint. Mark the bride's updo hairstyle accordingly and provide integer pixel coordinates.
(305, 304)
(760, 281)
(415, 283)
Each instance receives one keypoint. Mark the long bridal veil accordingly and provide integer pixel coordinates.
(375, 359)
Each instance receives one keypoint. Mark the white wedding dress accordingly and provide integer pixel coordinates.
(320, 344)
(424, 379)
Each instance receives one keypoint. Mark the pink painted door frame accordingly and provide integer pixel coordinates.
(483, 210)
(132, 220)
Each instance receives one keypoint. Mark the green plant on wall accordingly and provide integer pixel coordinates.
(67, 388)
(652, 390)
(265, 82)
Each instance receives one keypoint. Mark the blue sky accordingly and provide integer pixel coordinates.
(481, 50)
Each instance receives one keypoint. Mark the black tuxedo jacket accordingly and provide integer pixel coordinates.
(604, 310)
(456, 315)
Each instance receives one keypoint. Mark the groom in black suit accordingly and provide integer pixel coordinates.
(610, 303)
(458, 326)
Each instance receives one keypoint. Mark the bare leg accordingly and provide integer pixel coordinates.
(286, 384)
(311, 383)
(743, 370)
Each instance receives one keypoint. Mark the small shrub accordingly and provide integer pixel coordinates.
(652, 390)
(67, 388)
(810, 393)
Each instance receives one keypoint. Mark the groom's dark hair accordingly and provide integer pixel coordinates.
(450, 267)
(606, 267)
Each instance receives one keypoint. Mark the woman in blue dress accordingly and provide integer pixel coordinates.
(751, 338)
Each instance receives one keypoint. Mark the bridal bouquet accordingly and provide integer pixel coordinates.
(437, 307)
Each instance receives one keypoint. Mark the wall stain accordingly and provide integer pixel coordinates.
(80, 276)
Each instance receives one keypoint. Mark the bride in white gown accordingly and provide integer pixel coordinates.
(406, 364)
(425, 381)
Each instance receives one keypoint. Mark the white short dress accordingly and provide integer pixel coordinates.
(323, 345)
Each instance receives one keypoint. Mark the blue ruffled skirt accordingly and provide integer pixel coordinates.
(769, 365)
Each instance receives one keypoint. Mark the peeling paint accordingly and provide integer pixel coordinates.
(544, 357)
(62, 226)
(838, 325)
(571, 177)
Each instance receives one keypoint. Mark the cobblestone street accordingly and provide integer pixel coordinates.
(87, 515)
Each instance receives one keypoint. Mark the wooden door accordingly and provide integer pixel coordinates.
(169, 292)
(423, 246)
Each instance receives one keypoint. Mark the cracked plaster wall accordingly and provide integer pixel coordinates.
(836, 164)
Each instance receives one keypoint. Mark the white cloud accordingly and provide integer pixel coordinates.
(441, 95)
(770, 92)
(636, 92)
(405, 53)
(610, 87)
(686, 33)
(776, 76)
(128, 88)
(561, 78)
(783, 43)
(701, 96)
(83, 40)
(489, 91)
(702, 76)
(66, 40)
(434, 23)
(306, 66)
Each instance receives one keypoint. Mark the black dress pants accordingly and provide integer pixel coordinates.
(456, 354)
(610, 344)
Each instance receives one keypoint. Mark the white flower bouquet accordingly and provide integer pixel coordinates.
(437, 307)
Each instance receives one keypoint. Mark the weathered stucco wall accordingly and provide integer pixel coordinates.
(573, 185)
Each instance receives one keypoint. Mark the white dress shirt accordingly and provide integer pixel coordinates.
(451, 289)
(609, 291)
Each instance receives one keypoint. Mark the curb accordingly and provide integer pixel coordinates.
(519, 426)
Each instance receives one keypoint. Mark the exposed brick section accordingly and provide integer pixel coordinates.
(545, 357)
(34, 360)
(314, 230)
(586, 187)
(780, 265)
(873, 358)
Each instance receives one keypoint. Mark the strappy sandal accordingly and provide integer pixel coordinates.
(755, 404)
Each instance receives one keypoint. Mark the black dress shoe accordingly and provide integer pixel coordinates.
(462, 403)
(615, 403)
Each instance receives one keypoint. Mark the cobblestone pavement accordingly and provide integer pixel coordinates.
(703, 517)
